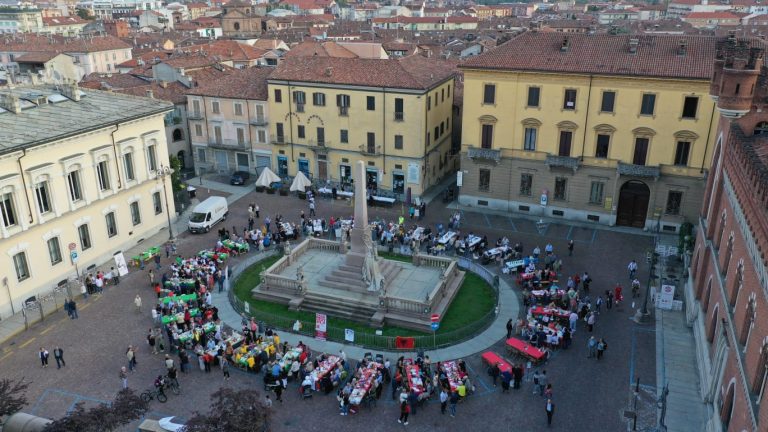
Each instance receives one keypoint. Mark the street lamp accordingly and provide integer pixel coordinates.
(162, 173)
(642, 314)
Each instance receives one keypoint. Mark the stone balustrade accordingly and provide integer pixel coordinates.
(405, 306)
(326, 245)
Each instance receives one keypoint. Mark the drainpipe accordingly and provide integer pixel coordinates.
(290, 120)
(24, 183)
(384, 129)
(114, 151)
(586, 119)
(250, 137)
(709, 134)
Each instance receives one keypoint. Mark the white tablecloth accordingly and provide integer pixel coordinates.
(447, 237)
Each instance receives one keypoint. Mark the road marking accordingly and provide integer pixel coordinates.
(85, 306)
(46, 330)
(570, 231)
(594, 236)
(26, 343)
(6, 355)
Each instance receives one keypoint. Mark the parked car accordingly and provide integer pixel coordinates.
(171, 424)
(239, 178)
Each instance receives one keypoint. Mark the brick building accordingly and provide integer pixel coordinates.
(727, 292)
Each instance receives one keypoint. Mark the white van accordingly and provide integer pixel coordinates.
(208, 213)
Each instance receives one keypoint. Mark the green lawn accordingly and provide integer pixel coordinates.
(474, 300)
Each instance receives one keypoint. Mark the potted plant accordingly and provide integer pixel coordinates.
(259, 188)
(283, 191)
(302, 195)
(270, 191)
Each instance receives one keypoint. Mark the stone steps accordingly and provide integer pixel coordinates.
(338, 307)
(347, 282)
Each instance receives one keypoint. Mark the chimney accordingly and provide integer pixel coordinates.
(682, 47)
(164, 84)
(71, 90)
(633, 43)
(565, 45)
(328, 71)
(150, 94)
(10, 103)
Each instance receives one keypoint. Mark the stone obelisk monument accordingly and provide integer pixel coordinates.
(363, 250)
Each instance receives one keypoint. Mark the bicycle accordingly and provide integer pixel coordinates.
(150, 394)
(173, 385)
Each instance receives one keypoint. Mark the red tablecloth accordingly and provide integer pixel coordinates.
(525, 349)
(491, 358)
(325, 367)
(557, 313)
(414, 379)
(364, 383)
(453, 373)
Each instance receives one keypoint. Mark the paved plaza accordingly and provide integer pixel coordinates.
(589, 394)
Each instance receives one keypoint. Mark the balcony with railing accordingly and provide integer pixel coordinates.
(370, 149)
(300, 107)
(227, 144)
(258, 121)
(279, 140)
(195, 115)
(399, 116)
(320, 145)
(344, 111)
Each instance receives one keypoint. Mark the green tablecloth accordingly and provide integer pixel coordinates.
(240, 247)
(183, 297)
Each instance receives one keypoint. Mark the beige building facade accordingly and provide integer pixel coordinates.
(78, 191)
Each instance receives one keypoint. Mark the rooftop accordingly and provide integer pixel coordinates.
(250, 83)
(59, 117)
(322, 49)
(33, 43)
(603, 54)
(413, 72)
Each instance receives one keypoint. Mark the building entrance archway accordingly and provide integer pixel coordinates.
(633, 204)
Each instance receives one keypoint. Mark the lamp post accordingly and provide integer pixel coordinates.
(642, 314)
(162, 173)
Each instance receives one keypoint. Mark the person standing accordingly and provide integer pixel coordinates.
(312, 208)
(43, 357)
(157, 261)
(115, 276)
(495, 372)
(443, 400)
(550, 408)
(137, 303)
(168, 362)
(632, 269)
(570, 247)
(590, 321)
(542, 382)
(536, 384)
(124, 377)
(151, 341)
(73, 308)
(510, 327)
(601, 347)
(58, 354)
(131, 355)
(225, 368)
(168, 250)
(151, 278)
(256, 210)
(404, 410)
(453, 401)
(592, 346)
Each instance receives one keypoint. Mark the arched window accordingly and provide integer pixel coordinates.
(712, 330)
(726, 410)
(761, 375)
(720, 232)
(761, 128)
(738, 282)
(178, 134)
(237, 26)
(707, 296)
(728, 256)
(749, 319)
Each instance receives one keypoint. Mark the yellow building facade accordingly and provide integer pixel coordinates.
(83, 182)
(327, 113)
(590, 128)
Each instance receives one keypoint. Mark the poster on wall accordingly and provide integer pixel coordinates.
(349, 335)
(321, 326)
(459, 178)
(666, 297)
(413, 173)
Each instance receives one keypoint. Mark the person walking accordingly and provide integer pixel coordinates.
(124, 377)
(256, 210)
(225, 368)
(443, 400)
(58, 354)
(168, 250)
(404, 410)
(168, 362)
(542, 382)
(137, 303)
(157, 261)
(590, 321)
(453, 401)
(115, 276)
(312, 208)
(131, 355)
(43, 354)
(570, 248)
(550, 408)
(73, 308)
(510, 327)
(592, 346)
(632, 269)
(151, 341)
(536, 385)
(601, 347)
(151, 278)
(495, 372)
(67, 308)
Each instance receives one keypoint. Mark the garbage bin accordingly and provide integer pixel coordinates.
(192, 191)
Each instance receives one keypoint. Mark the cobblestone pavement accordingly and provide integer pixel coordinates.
(589, 395)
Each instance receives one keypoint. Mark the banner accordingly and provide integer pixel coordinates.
(122, 267)
(226, 278)
(349, 335)
(666, 297)
(402, 342)
(321, 326)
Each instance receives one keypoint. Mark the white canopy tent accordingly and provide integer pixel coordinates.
(266, 178)
(300, 182)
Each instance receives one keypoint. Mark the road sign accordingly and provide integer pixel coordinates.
(435, 325)
(72, 246)
(435, 318)
(73, 255)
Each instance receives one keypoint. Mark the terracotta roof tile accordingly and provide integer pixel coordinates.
(711, 15)
(656, 56)
(173, 92)
(321, 49)
(413, 72)
(36, 57)
(61, 21)
(114, 81)
(249, 83)
(35, 43)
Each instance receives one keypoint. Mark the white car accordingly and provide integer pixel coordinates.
(170, 424)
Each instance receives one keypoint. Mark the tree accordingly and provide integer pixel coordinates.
(84, 14)
(232, 411)
(12, 396)
(176, 176)
(126, 407)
